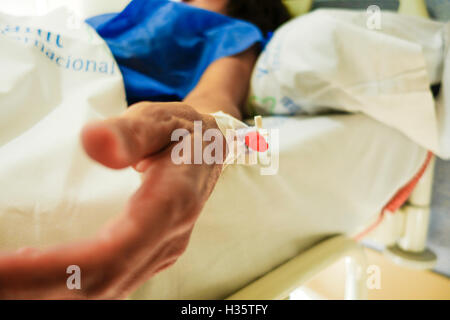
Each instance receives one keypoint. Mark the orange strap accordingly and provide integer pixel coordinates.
(399, 199)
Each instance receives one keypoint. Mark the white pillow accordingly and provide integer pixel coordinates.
(334, 59)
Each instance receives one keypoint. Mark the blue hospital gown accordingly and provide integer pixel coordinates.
(163, 47)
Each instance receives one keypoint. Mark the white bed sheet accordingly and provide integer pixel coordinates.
(336, 173)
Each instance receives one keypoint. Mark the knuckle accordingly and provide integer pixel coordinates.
(135, 132)
(161, 114)
(178, 247)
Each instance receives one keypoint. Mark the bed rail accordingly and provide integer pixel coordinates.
(280, 282)
(410, 248)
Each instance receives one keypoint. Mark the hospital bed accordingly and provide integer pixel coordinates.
(337, 173)
(402, 232)
(275, 270)
(279, 231)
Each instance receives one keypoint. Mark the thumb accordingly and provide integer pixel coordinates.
(123, 141)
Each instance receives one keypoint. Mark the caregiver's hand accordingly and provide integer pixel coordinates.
(153, 231)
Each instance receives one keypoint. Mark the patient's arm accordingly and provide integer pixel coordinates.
(224, 86)
(154, 229)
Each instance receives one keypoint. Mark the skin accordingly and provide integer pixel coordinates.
(211, 5)
(154, 229)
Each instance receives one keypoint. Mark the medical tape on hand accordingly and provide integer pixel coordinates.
(235, 133)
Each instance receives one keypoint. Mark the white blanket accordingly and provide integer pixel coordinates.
(336, 173)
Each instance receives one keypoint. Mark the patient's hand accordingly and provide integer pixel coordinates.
(153, 231)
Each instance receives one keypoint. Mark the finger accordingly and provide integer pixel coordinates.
(140, 132)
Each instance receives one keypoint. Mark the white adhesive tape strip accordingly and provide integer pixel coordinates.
(232, 129)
